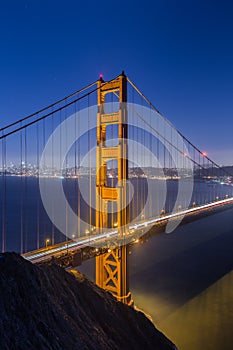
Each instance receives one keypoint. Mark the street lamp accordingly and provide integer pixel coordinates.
(47, 242)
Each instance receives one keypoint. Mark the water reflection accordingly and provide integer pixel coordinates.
(205, 322)
(184, 281)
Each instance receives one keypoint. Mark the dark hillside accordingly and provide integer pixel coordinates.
(44, 307)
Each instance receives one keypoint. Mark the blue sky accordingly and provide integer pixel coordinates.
(180, 54)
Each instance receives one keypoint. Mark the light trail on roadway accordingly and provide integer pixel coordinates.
(44, 254)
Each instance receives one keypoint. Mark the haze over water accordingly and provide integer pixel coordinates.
(185, 282)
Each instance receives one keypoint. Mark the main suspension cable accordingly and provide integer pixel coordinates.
(172, 126)
(48, 107)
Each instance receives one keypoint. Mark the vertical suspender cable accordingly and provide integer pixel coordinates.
(53, 174)
(200, 187)
(26, 189)
(43, 165)
(171, 172)
(143, 162)
(79, 193)
(151, 169)
(3, 193)
(75, 164)
(60, 151)
(164, 162)
(37, 189)
(90, 169)
(158, 158)
(132, 204)
(21, 193)
(66, 173)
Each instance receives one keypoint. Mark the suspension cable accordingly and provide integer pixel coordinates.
(171, 125)
(48, 107)
(52, 112)
(164, 139)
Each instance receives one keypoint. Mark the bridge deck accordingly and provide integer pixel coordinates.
(71, 247)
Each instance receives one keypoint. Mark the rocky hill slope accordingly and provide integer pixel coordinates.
(45, 307)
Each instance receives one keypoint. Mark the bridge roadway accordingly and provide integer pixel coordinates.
(69, 248)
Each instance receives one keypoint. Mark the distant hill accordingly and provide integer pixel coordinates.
(214, 171)
(229, 169)
(45, 307)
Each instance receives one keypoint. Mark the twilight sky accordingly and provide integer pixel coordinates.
(180, 54)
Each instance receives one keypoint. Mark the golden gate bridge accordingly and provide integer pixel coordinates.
(97, 171)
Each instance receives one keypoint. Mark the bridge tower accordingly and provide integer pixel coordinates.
(111, 267)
